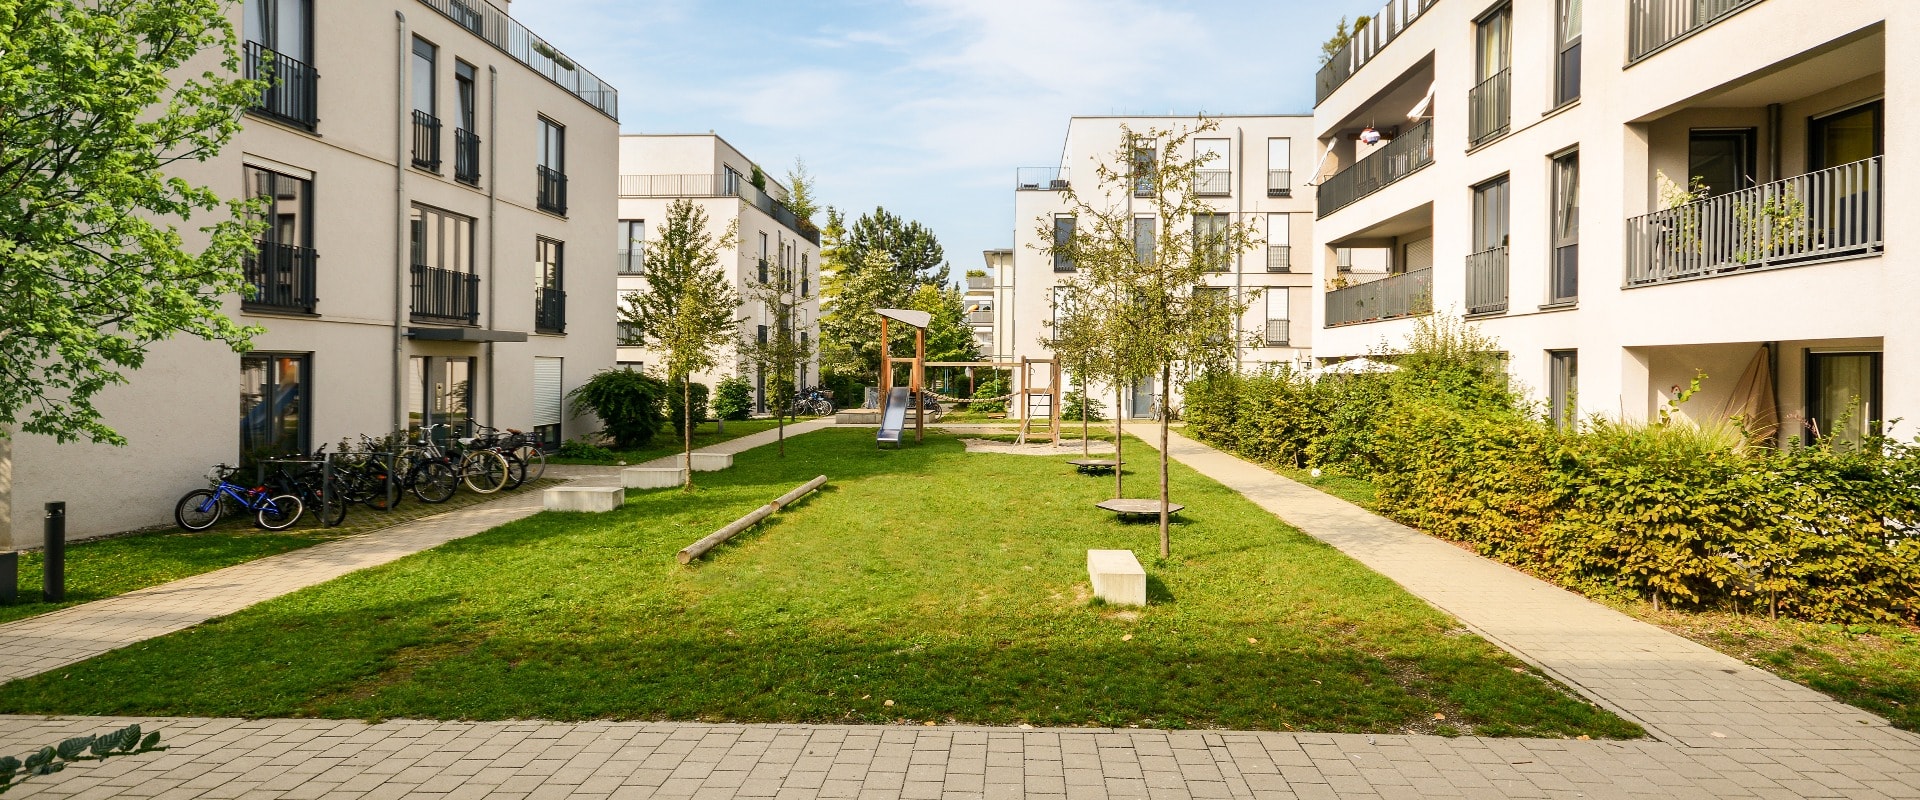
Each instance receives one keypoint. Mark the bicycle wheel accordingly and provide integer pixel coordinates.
(484, 471)
(516, 469)
(377, 497)
(331, 515)
(280, 513)
(535, 458)
(198, 510)
(433, 482)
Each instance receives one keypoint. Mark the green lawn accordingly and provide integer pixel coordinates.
(668, 443)
(903, 592)
(101, 568)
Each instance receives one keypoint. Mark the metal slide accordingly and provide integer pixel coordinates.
(893, 416)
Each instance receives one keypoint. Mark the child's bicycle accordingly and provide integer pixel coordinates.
(201, 508)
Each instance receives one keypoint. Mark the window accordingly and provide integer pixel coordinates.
(282, 270)
(1855, 134)
(806, 277)
(1213, 167)
(1143, 239)
(1063, 244)
(1488, 102)
(547, 393)
(633, 246)
(1144, 178)
(552, 169)
(1563, 386)
(273, 405)
(1564, 283)
(1490, 214)
(763, 257)
(1279, 167)
(1062, 306)
(440, 392)
(1279, 243)
(1566, 67)
(730, 182)
(1279, 303)
(444, 286)
(426, 126)
(1210, 242)
(466, 142)
(1843, 396)
(1487, 265)
(284, 27)
(1211, 301)
(549, 287)
(279, 49)
(1493, 43)
(1720, 159)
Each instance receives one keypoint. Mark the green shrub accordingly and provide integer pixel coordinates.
(994, 386)
(627, 403)
(675, 406)
(584, 450)
(1076, 402)
(733, 398)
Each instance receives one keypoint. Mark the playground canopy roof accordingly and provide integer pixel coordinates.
(918, 319)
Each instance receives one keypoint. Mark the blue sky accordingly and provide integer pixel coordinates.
(928, 106)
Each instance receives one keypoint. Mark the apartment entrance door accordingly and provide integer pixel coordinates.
(1141, 405)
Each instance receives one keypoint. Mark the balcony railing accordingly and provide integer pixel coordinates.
(549, 310)
(1489, 108)
(1366, 43)
(506, 33)
(283, 278)
(712, 185)
(291, 93)
(426, 141)
(632, 261)
(1487, 281)
(1279, 258)
(1819, 216)
(1398, 159)
(1042, 179)
(552, 195)
(980, 318)
(979, 282)
(1212, 182)
(1277, 332)
(444, 295)
(466, 156)
(1279, 183)
(1393, 297)
(1654, 24)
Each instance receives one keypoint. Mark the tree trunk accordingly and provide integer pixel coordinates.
(1119, 463)
(1166, 415)
(780, 421)
(686, 429)
(1086, 447)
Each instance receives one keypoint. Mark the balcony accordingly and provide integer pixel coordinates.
(712, 185)
(1277, 332)
(552, 194)
(1279, 258)
(549, 310)
(979, 282)
(1040, 179)
(1366, 43)
(980, 317)
(1489, 109)
(1404, 295)
(1487, 281)
(290, 95)
(1212, 182)
(444, 295)
(1279, 183)
(283, 278)
(511, 37)
(1653, 25)
(1398, 159)
(466, 157)
(426, 141)
(1820, 216)
(632, 261)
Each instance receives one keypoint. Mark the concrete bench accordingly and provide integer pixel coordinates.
(711, 462)
(653, 477)
(585, 498)
(1117, 577)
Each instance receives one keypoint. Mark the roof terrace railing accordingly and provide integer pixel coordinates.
(514, 39)
(1382, 28)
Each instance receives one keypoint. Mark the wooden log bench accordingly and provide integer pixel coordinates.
(1137, 507)
(1117, 577)
(595, 499)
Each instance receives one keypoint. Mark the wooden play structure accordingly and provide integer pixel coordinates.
(1036, 381)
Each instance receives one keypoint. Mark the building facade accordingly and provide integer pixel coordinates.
(1629, 196)
(773, 244)
(1250, 179)
(980, 301)
(433, 204)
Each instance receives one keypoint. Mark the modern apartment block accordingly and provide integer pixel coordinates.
(981, 298)
(1251, 178)
(1628, 195)
(434, 201)
(772, 242)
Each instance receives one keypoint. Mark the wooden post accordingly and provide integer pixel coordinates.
(1058, 400)
(886, 366)
(919, 384)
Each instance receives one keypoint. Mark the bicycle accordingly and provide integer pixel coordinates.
(200, 509)
(1159, 408)
(525, 462)
(812, 401)
(484, 471)
(306, 479)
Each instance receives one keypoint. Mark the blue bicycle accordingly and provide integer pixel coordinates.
(201, 508)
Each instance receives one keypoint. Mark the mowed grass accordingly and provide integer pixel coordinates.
(669, 443)
(922, 585)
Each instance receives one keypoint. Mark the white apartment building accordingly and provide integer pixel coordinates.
(1530, 171)
(979, 300)
(434, 202)
(656, 170)
(1250, 179)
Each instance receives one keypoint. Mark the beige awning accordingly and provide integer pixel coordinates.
(918, 319)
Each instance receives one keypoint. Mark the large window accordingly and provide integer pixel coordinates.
(551, 170)
(279, 50)
(1720, 159)
(1490, 214)
(549, 287)
(1279, 243)
(1566, 67)
(1279, 167)
(426, 122)
(1143, 239)
(1213, 173)
(466, 137)
(1062, 243)
(284, 27)
(1563, 386)
(444, 286)
(1143, 167)
(1489, 102)
(1844, 137)
(440, 392)
(633, 246)
(1843, 396)
(1210, 242)
(1564, 285)
(282, 271)
(1279, 302)
(273, 405)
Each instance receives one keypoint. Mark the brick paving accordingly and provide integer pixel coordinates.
(1719, 729)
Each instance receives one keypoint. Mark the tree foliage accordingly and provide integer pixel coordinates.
(782, 352)
(800, 199)
(627, 403)
(95, 105)
(883, 261)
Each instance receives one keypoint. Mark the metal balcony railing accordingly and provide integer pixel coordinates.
(1489, 108)
(1213, 182)
(1652, 25)
(980, 318)
(1030, 179)
(426, 141)
(1277, 332)
(1398, 159)
(512, 38)
(1279, 258)
(1819, 216)
(283, 278)
(1382, 28)
(1279, 183)
(719, 185)
(1487, 281)
(466, 156)
(1393, 297)
(291, 94)
(549, 310)
(552, 194)
(632, 261)
(444, 295)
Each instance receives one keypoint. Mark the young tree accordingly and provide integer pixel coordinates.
(1150, 286)
(782, 352)
(881, 261)
(689, 310)
(95, 105)
(800, 196)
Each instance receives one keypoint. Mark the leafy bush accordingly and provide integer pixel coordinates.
(994, 386)
(848, 391)
(584, 450)
(733, 398)
(627, 403)
(676, 400)
(1076, 402)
